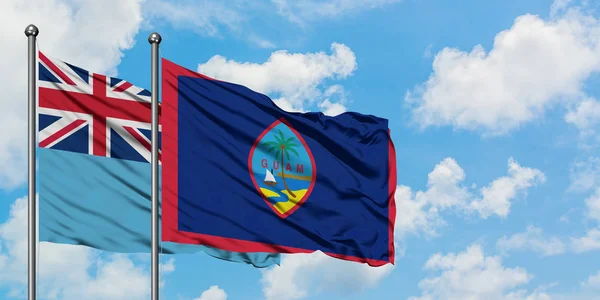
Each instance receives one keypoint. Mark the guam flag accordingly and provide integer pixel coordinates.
(241, 174)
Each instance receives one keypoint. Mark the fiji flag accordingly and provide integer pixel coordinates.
(94, 171)
(243, 175)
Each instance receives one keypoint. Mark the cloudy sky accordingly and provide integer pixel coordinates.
(493, 110)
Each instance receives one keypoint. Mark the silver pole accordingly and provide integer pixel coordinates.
(31, 32)
(154, 40)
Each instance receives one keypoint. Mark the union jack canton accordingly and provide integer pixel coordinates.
(91, 113)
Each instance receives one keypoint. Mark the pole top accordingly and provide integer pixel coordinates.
(31, 30)
(154, 38)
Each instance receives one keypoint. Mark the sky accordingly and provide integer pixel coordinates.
(493, 108)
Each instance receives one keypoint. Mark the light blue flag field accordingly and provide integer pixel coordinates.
(93, 165)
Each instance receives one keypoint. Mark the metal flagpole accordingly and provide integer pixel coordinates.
(31, 32)
(154, 39)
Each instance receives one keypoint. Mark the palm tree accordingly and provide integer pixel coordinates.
(283, 146)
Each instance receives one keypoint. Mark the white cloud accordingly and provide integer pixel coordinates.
(331, 109)
(214, 18)
(334, 102)
(591, 241)
(210, 18)
(427, 53)
(168, 267)
(592, 204)
(524, 295)
(261, 42)
(472, 275)
(497, 196)
(420, 211)
(585, 175)
(587, 243)
(534, 65)
(301, 11)
(585, 116)
(286, 105)
(118, 278)
(593, 282)
(294, 80)
(65, 28)
(559, 6)
(415, 214)
(213, 293)
(203, 17)
(89, 276)
(532, 239)
(300, 275)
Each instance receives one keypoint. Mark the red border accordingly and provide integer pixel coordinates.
(312, 161)
(170, 231)
(392, 182)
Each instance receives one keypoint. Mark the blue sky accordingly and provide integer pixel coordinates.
(492, 107)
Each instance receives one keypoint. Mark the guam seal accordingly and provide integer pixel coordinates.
(282, 168)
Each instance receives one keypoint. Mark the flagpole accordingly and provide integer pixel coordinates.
(154, 39)
(31, 32)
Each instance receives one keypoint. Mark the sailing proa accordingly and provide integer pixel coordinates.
(282, 168)
(269, 178)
